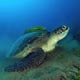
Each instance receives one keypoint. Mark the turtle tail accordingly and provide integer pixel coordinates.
(33, 60)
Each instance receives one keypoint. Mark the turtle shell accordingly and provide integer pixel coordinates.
(24, 41)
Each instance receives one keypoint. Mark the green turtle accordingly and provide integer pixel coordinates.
(32, 48)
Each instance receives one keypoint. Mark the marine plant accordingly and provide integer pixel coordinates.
(35, 29)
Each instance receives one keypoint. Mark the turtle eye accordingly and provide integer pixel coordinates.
(64, 28)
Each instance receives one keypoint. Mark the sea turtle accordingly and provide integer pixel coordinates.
(32, 48)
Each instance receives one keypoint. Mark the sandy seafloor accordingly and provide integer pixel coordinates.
(61, 64)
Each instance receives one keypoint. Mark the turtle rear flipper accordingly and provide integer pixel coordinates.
(33, 60)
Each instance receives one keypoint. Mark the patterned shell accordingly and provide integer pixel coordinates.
(24, 41)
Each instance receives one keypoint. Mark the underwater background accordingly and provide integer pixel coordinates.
(16, 16)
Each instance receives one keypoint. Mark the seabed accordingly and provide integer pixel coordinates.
(61, 64)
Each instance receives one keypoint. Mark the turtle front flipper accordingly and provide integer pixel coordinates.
(33, 60)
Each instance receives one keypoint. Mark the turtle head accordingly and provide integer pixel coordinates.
(55, 36)
(60, 32)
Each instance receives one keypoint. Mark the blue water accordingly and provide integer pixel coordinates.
(18, 15)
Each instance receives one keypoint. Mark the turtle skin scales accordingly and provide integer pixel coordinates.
(33, 60)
